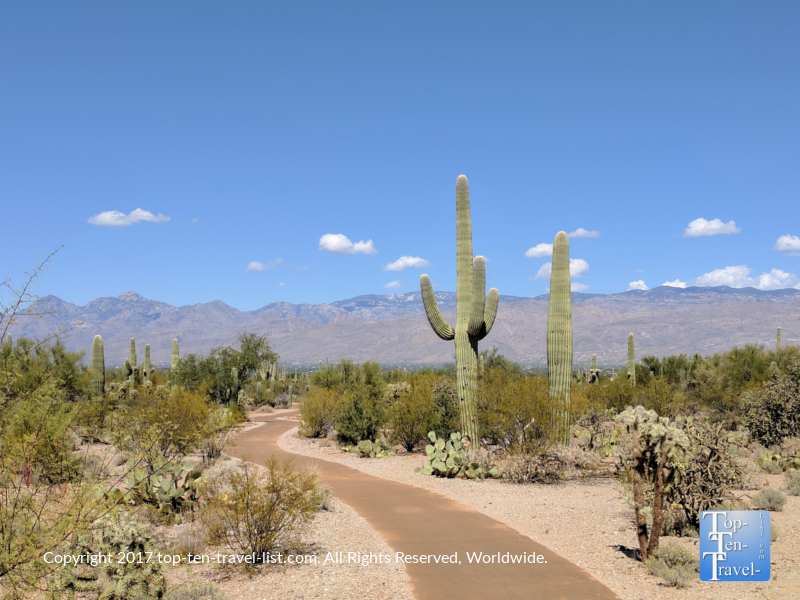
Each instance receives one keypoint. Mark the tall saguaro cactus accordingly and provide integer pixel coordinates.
(559, 336)
(146, 366)
(475, 312)
(176, 355)
(98, 367)
(779, 339)
(631, 360)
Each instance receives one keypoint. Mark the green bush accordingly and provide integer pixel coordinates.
(445, 398)
(772, 412)
(255, 511)
(414, 413)
(676, 565)
(359, 417)
(515, 411)
(768, 499)
(318, 412)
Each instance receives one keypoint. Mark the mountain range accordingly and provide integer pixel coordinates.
(392, 329)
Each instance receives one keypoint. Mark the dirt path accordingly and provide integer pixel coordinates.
(416, 522)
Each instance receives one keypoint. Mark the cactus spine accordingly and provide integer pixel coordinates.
(475, 313)
(631, 360)
(559, 337)
(779, 339)
(98, 367)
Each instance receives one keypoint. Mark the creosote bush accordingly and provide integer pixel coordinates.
(772, 412)
(413, 413)
(768, 499)
(252, 510)
(676, 565)
(793, 483)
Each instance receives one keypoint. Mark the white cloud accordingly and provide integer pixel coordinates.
(259, 266)
(539, 250)
(580, 232)
(788, 245)
(407, 262)
(281, 284)
(114, 218)
(677, 283)
(739, 277)
(577, 268)
(637, 285)
(578, 287)
(393, 284)
(340, 244)
(701, 227)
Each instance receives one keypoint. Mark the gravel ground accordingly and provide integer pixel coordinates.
(585, 522)
(339, 529)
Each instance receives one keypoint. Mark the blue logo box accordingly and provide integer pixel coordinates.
(734, 545)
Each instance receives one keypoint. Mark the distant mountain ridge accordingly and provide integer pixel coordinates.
(393, 329)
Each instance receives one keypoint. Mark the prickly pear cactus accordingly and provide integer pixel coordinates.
(449, 459)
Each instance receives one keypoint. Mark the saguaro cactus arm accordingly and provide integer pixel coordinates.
(490, 312)
(435, 318)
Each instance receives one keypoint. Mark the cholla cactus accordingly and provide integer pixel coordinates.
(657, 449)
(111, 579)
(475, 312)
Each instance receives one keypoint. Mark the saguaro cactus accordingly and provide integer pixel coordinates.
(559, 336)
(235, 388)
(475, 312)
(98, 367)
(631, 360)
(779, 339)
(176, 355)
(258, 392)
(146, 367)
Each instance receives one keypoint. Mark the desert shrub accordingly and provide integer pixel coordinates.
(359, 417)
(318, 412)
(261, 511)
(658, 395)
(543, 467)
(793, 483)
(709, 471)
(768, 499)
(772, 411)
(597, 431)
(445, 398)
(773, 532)
(752, 477)
(769, 464)
(196, 591)
(219, 429)
(676, 565)
(413, 414)
(140, 580)
(162, 424)
(515, 411)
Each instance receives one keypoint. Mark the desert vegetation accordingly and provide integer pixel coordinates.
(99, 461)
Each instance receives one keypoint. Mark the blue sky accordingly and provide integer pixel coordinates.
(320, 143)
